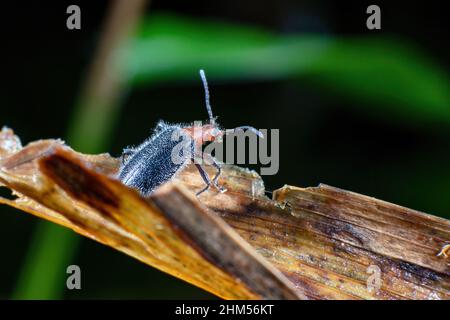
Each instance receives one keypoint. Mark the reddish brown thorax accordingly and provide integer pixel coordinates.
(205, 133)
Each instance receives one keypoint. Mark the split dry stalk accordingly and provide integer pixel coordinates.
(305, 243)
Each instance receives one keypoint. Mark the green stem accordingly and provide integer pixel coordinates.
(53, 248)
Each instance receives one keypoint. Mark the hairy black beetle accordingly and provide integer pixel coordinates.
(150, 164)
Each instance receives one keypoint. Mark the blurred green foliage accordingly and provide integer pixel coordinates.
(43, 271)
(376, 71)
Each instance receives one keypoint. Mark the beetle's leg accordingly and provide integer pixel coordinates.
(160, 125)
(128, 151)
(445, 251)
(205, 177)
(216, 165)
(125, 154)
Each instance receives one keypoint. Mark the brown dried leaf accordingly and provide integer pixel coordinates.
(55, 183)
(317, 243)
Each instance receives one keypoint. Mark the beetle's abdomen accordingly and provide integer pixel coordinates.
(153, 162)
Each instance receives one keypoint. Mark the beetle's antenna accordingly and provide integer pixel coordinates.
(208, 105)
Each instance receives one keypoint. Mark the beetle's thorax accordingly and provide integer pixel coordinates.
(205, 133)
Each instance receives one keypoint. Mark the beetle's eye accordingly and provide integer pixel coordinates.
(215, 132)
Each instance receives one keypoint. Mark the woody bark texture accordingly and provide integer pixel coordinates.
(305, 243)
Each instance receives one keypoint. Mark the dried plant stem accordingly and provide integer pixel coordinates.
(305, 243)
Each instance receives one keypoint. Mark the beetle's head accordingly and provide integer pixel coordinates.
(206, 133)
(212, 132)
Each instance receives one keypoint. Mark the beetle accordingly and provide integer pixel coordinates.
(150, 164)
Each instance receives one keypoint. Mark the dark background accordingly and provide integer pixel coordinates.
(325, 136)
